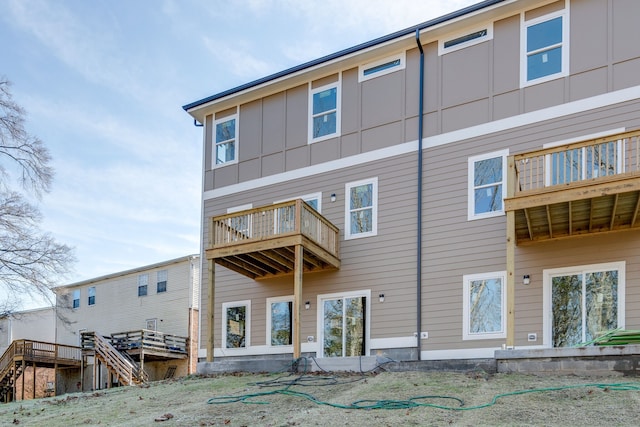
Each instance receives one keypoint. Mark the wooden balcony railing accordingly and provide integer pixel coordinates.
(257, 242)
(580, 162)
(148, 340)
(583, 187)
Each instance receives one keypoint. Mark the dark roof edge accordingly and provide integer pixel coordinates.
(348, 51)
(130, 271)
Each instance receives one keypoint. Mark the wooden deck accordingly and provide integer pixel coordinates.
(153, 345)
(576, 189)
(260, 243)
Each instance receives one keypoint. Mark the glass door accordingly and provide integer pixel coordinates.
(344, 327)
(584, 305)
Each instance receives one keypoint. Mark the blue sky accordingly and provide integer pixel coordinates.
(103, 83)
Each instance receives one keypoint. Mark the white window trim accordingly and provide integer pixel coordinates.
(402, 57)
(268, 334)
(73, 298)
(247, 341)
(320, 317)
(471, 200)
(467, 279)
(347, 209)
(338, 86)
(524, 25)
(547, 315)
(240, 208)
(470, 30)
(89, 304)
(214, 144)
(306, 197)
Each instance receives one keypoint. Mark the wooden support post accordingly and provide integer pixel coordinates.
(34, 380)
(297, 299)
(510, 254)
(210, 307)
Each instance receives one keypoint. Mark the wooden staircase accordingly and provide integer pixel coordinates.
(23, 353)
(118, 363)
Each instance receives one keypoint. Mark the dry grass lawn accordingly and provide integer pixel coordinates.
(385, 399)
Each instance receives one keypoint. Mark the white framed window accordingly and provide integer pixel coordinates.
(91, 296)
(161, 282)
(381, 67)
(582, 302)
(225, 146)
(466, 38)
(344, 323)
(76, 298)
(324, 108)
(361, 208)
(484, 306)
(279, 321)
(313, 199)
(487, 185)
(544, 47)
(236, 321)
(143, 284)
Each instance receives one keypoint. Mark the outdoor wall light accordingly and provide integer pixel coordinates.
(381, 297)
(307, 305)
(333, 197)
(526, 279)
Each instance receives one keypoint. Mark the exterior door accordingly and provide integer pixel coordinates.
(344, 322)
(584, 305)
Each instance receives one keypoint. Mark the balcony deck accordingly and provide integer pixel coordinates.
(260, 243)
(576, 189)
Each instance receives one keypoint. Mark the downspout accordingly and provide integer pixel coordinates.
(419, 213)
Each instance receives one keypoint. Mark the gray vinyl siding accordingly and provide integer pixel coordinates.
(118, 308)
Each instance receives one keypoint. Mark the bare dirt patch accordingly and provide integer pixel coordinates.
(385, 399)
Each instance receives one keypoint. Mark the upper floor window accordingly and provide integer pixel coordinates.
(544, 48)
(484, 306)
(324, 121)
(361, 208)
(225, 147)
(162, 281)
(92, 295)
(143, 283)
(76, 298)
(487, 184)
(467, 38)
(381, 67)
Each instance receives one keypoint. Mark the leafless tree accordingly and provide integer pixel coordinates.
(31, 261)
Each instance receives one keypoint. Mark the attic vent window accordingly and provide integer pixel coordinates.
(466, 39)
(381, 67)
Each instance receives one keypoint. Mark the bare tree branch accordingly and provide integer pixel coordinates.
(31, 261)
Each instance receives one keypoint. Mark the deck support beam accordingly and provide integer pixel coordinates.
(511, 256)
(210, 306)
(297, 299)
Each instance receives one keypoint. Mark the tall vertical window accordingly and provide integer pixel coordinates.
(279, 321)
(484, 306)
(161, 281)
(225, 150)
(235, 324)
(92, 296)
(361, 208)
(487, 184)
(143, 283)
(325, 112)
(545, 48)
(76, 298)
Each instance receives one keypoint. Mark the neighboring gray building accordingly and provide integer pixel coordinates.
(500, 209)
